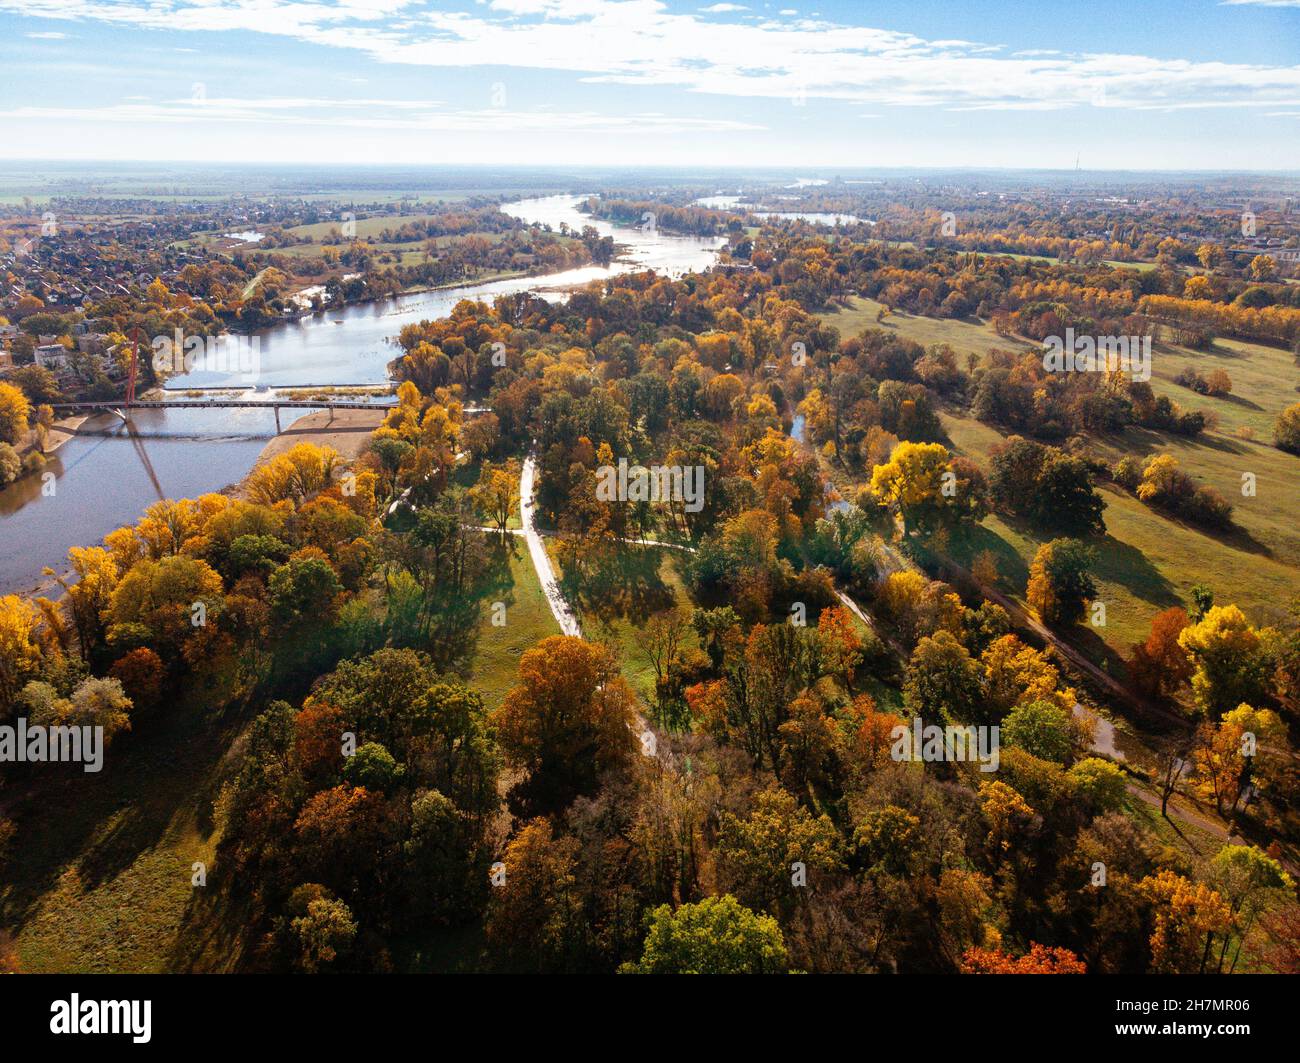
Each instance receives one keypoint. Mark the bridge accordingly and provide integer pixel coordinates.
(120, 409)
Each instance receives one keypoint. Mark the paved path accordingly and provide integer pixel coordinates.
(564, 615)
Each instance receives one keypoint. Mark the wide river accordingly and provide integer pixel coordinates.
(105, 477)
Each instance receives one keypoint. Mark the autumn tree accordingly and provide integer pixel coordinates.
(20, 650)
(912, 482)
(567, 722)
(1015, 673)
(1185, 917)
(497, 493)
(1160, 666)
(756, 853)
(1040, 959)
(164, 603)
(1060, 582)
(535, 920)
(15, 410)
(1227, 659)
(1286, 429)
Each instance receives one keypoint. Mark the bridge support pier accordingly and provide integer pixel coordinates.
(277, 420)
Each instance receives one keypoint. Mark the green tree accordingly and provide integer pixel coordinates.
(943, 680)
(1060, 582)
(1040, 728)
(1101, 782)
(717, 935)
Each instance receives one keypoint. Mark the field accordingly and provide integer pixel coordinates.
(1148, 562)
(528, 621)
(962, 336)
(654, 583)
(106, 886)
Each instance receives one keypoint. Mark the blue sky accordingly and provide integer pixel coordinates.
(1142, 84)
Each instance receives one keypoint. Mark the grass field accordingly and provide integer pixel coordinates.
(963, 336)
(100, 876)
(528, 620)
(365, 227)
(654, 583)
(1148, 562)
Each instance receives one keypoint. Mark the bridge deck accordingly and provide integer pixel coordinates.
(304, 404)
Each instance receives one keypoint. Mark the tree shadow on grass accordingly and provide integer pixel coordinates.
(1238, 400)
(627, 587)
(155, 782)
(1118, 562)
(1146, 442)
(1088, 641)
(1013, 572)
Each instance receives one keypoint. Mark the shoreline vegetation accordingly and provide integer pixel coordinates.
(908, 519)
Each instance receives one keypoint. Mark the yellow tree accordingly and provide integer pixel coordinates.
(296, 475)
(88, 598)
(1247, 746)
(1187, 916)
(1015, 674)
(1262, 268)
(14, 413)
(20, 652)
(1227, 659)
(497, 493)
(912, 481)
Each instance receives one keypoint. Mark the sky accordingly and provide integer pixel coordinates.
(1113, 84)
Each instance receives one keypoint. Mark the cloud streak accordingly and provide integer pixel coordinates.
(642, 43)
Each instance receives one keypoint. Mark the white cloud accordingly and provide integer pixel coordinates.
(48, 36)
(341, 114)
(643, 43)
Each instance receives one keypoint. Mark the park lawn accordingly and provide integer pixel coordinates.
(365, 227)
(964, 336)
(1265, 381)
(100, 879)
(528, 618)
(1147, 562)
(1114, 263)
(410, 251)
(621, 626)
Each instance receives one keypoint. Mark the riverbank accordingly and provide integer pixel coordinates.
(63, 430)
(347, 431)
(108, 477)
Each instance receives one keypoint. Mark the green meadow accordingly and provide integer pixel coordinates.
(1146, 560)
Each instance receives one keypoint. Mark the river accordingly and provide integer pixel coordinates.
(104, 477)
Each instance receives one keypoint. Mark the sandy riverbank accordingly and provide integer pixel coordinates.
(60, 432)
(347, 431)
